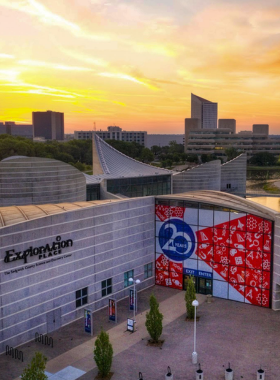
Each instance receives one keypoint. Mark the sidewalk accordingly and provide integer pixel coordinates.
(81, 357)
(73, 347)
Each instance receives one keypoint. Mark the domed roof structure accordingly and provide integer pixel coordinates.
(36, 180)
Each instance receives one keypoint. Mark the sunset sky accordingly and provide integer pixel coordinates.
(135, 63)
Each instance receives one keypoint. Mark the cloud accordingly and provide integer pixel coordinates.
(129, 78)
(6, 56)
(55, 66)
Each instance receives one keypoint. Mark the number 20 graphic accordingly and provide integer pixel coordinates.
(176, 239)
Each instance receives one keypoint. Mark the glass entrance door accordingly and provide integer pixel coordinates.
(204, 286)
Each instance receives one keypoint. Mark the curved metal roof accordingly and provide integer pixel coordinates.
(221, 199)
(115, 164)
(17, 214)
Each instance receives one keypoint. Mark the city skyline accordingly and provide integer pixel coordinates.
(135, 63)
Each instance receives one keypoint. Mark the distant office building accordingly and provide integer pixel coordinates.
(114, 133)
(13, 129)
(261, 129)
(227, 123)
(205, 111)
(191, 124)
(163, 140)
(49, 125)
(215, 141)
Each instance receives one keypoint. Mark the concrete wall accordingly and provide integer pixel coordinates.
(33, 180)
(203, 177)
(233, 176)
(108, 240)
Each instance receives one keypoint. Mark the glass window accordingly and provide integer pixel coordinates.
(81, 297)
(148, 270)
(127, 275)
(106, 287)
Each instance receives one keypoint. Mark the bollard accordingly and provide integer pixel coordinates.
(169, 375)
(199, 373)
(140, 376)
(209, 298)
(260, 374)
(229, 373)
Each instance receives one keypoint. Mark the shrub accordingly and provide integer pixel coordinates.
(103, 353)
(154, 320)
(190, 297)
(36, 369)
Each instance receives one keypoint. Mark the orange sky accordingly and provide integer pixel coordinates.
(135, 63)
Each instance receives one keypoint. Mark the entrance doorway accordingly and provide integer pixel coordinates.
(204, 286)
(53, 320)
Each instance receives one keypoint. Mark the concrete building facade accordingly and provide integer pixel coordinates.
(228, 124)
(49, 125)
(35, 180)
(163, 140)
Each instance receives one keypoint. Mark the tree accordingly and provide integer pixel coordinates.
(192, 158)
(263, 159)
(154, 320)
(103, 353)
(36, 369)
(190, 297)
(231, 153)
(146, 155)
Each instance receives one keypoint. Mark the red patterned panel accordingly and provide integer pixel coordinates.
(265, 280)
(266, 261)
(175, 267)
(267, 227)
(254, 223)
(265, 298)
(162, 212)
(221, 235)
(221, 254)
(236, 275)
(177, 212)
(267, 243)
(237, 257)
(176, 280)
(162, 277)
(253, 260)
(253, 277)
(253, 295)
(237, 239)
(238, 224)
(254, 241)
(222, 270)
(205, 235)
(205, 251)
(162, 263)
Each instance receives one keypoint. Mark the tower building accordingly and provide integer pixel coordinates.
(205, 111)
(49, 125)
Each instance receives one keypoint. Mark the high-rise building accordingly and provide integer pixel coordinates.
(49, 125)
(205, 111)
(227, 123)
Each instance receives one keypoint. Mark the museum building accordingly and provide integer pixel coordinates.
(58, 258)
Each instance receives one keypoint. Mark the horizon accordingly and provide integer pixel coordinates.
(135, 64)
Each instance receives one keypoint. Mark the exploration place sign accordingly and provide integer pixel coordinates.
(42, 252)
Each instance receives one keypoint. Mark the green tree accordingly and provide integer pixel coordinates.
(146, 155)
(263, 159)
(231, 153)
(154, 320)
(36, 369)
(190, 297)
(103, 353)
(192, 158)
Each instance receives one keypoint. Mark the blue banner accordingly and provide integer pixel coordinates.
(198, 273)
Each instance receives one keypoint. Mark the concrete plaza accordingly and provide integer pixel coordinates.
(244, 335)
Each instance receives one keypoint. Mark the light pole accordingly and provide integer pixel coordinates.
(195, 303)
(135, 282)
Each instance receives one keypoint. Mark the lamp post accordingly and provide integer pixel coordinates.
(195, 303)
(135, 282)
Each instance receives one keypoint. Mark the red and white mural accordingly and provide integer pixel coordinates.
(231, 248)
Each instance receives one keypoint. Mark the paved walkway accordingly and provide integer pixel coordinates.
(81, 357)
(244, 335)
